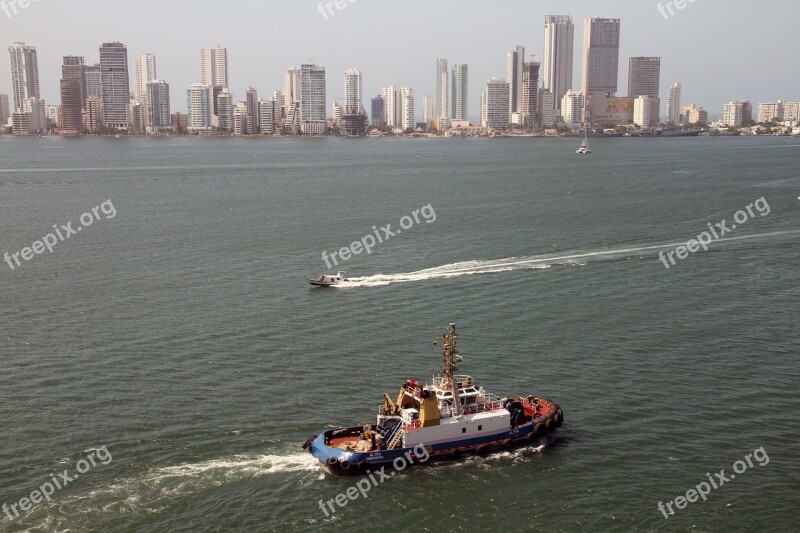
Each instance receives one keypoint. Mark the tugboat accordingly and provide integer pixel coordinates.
(447, 419)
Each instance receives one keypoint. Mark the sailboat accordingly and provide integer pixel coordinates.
(584, 149)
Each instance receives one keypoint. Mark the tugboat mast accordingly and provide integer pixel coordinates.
(451, 359)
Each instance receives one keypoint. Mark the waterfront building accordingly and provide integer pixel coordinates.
(115, 84)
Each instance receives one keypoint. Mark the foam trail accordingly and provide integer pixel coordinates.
(470, 268)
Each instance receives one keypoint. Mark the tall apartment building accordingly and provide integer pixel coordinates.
(200, 108)
(313, 119)
(115, 84)
(737, 114)
(253, 117)
(94, 81)
(643, 111)
(769, 111)
(353, 90)
(159, 115)
(5, 111)
(71, 116)
(514, 70)
(530, 94)
(460, 97)
(392, 107)
(559, 43)
(214, 70)
(378, 112)
(24, 73)
(644, 79)
(267, 113)
(496, 108)
(407, 111)
(144, 71)
(442, 96)
(694, 114)
(572, 107)
(75, 67)
(674, 104)
(600, 56)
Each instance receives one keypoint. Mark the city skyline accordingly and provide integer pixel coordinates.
(261, 67)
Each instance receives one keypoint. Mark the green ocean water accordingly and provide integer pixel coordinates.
(180, 334)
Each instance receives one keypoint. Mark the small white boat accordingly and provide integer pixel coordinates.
(329, 281)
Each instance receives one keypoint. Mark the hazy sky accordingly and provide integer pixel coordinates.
(720, 50)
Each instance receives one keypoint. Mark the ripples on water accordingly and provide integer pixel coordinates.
(181, 334)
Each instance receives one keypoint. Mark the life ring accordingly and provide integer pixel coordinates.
(345, 465)
(550, 425)
(558, 418)
(539, 430)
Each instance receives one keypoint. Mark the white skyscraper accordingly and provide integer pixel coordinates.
(144, 71)
(460, 93)
(559, 42)
(515, 64)
(353, 87)
(442, 96)
(572, 107)
(313, 107)
(738, 113)
(200, 108)
(674, 104)
(24, 73)
(600, 56)
(267, 113)
(214, 65)
(496, 112)
(427, 110)
(407, 111)
(392, 106)
(642, 111)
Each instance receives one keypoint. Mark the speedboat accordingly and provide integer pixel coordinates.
(451, 418)
(329, 281)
